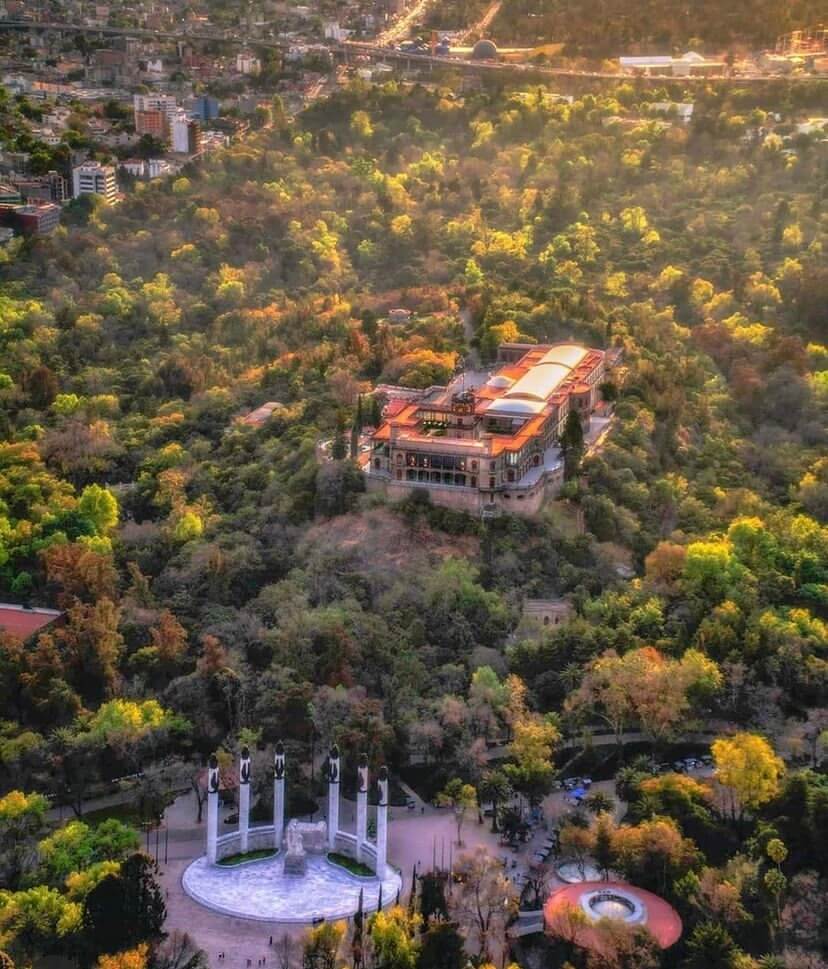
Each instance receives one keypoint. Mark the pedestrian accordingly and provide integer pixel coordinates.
(271, 940)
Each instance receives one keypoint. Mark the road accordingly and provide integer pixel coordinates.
(481, 27)
(401, 28)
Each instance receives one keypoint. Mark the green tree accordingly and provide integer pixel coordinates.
(124, 910)
(100, 507)
(461, 798)
(441, 947)
(572, 445)
(496, 789)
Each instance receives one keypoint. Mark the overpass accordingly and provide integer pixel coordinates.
(507, 69)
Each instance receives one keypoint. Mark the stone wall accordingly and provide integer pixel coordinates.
(520, 501)
(258, 838)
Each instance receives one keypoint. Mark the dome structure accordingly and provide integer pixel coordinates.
(484, 50)
(500, 382)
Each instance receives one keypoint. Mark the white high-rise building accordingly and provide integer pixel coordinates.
(92, 178)
(184, 133)
(164, 103)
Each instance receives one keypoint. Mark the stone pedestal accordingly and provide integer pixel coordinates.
(362, 806)
(244, 800)
(212, 809)
(278, 796)
(333, 796)
(382, 822)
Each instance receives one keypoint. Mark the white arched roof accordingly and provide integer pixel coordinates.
(509, 406)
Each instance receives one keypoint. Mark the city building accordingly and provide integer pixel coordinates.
(9, 195)
(203, 108)
(185, 134)
(690, 64)
(136, 167)
(154, 114)
(153, 123)
(31, 220)
(546, 612)
(248, 63)
(488, 439)
(92, 178)
(25, 621)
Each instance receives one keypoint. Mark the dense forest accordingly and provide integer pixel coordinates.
(607, 28)
(222, 581)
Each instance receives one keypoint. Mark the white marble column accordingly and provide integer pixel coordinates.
(212, 808)
(244, 800)
(278, 795)
(382, 822)
(333, 796)
(362, 806)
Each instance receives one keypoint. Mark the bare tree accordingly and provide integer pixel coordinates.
(179, 951)
(484, 901)
(286, 949)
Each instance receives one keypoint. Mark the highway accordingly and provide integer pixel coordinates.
(539, 71)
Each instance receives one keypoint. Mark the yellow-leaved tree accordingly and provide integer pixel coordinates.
(748, 769)
(130, 959)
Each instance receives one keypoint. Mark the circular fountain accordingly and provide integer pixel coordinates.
(615, 903)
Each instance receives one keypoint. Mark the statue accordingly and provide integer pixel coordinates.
(296, 861)
(279, 762)
(382, 785)
(213, 775)
(362, 775)
(244, 771)
(333, 765)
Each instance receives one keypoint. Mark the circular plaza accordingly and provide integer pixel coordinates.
(260, 890)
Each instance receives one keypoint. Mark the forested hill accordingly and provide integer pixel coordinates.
(131, 342)
(607, 28)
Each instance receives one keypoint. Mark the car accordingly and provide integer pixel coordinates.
(664, 768)
(411, 804)
(679, 766)
(707, 760)
(691, 763)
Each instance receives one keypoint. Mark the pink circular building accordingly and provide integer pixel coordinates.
(572, 912)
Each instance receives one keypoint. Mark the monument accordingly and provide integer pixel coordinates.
(244, 800)
(298, 883)
(382, 820)
(333, 796)
(296, 862)
(212, 808)
(362, 807)
(278, 795)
